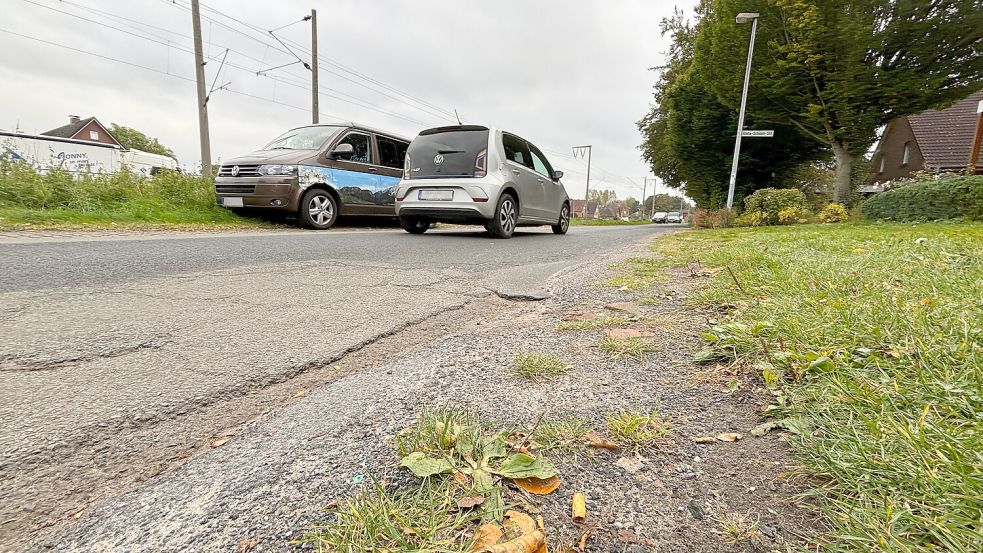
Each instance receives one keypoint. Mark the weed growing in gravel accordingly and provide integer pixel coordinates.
(638, 273)
(739, 528)
(638, 429)
(870, 337)
(565, 435)
(538, 365)
(595, 323)
(421, 519)
(623, 348)
(438, 430)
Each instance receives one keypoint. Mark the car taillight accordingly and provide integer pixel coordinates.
(406, 166)
(481, 164)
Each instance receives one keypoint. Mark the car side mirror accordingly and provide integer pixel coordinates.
(342, 150)
(557, 175)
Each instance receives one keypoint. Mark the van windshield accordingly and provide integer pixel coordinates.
(303, 138)
(447, 152)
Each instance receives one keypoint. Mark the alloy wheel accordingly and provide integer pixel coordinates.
(506, 216)
(564, 218)
(321, 210)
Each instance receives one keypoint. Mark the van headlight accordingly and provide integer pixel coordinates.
(277, 169)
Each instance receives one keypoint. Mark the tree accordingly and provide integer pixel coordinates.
(132, 139)
(663, 202)
(633, 206)
(602, 197)
(689, 133)
(838, 70)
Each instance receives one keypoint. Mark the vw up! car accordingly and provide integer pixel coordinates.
(317, 172)
(470, 174)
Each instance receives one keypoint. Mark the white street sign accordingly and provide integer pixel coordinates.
(759, 134)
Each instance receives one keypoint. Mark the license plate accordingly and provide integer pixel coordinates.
(232, 202)
(436, 195)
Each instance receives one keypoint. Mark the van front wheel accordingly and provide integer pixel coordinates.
(318, 210)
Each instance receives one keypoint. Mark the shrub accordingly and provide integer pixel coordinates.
(704, 218)
(773, 200)
(792, 215)
(950, 196)
(751, 219)
(834, 213)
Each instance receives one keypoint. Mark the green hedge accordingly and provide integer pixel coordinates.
(773, 200)
(949, 196)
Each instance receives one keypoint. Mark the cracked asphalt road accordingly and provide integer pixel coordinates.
(105, 336)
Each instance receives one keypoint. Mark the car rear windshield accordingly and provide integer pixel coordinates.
(446, 152)
(304, 138)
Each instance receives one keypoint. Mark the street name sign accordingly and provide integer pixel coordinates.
(759, 134)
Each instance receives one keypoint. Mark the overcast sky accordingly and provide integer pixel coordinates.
(558, 73)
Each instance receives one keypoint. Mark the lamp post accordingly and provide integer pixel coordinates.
(742, 18)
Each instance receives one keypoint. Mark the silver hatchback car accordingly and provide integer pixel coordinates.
(471, 174)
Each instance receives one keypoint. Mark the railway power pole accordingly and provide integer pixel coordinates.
(206, 150)
(579, 150)
(314, 108)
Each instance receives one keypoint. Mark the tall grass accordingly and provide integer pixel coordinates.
(871, 338)
(59, 197)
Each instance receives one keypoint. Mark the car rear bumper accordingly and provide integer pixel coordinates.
(470, 202)
(458, 215)
(274, 193)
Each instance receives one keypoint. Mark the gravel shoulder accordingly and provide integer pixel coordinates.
(321, 439)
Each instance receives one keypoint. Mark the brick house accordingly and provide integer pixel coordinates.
(577, 209)
(88, 129)
(935, 140)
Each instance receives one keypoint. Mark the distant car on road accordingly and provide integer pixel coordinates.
(478, 175)
(659, 217)
(317, 172)
(674, 217)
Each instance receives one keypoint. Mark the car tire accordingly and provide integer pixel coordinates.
(506, 217)
(414, 225)
(318, 210)
(563, 225)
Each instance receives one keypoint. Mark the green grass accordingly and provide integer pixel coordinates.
(563, 435)
(436, 431)
(871, 340)
(426, 518)
(538, 365)
(634, 428)
(603, 321)
(56, 199)
(578, 222)
(626, 348)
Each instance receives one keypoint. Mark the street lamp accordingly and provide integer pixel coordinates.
(742, 18)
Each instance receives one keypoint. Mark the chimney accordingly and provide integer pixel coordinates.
(73, 119)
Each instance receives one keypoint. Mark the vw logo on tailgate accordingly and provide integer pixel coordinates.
(438, 159)
(235, 170)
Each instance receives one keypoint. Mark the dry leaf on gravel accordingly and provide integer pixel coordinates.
(486, 536)
(245, 546)
(627, 536)
(528, 543)
(704, 439)
(518, 523)
(538, 486)
(462, 479)
(218, 442)
(594, 440)
(729, 437)
(470, 502)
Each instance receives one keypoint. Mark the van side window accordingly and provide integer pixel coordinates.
(539, 163)
(360, 142)
(516, 150)
(391, 152)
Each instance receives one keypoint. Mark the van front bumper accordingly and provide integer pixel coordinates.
(276, 193)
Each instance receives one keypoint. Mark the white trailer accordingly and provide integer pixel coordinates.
(78, 156)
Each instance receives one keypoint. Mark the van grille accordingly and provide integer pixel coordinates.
(235, 188)
(244, 171)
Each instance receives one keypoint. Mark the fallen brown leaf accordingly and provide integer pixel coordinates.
(518, 523)
(538, 486)
(593, 440)
(470, 502)
(462, 479)
(218, 442)
(247, 545)
(486, 536)
(627, 536)
(729, 436)
(704, 439)
(528, 543)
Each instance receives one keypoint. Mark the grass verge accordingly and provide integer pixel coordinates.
(538, 365)
(29, 199)
(870, 337)
(578, 222)
(626, 348)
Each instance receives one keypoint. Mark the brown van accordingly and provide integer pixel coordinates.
(318, 172)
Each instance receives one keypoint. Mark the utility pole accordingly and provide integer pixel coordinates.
(742, 18)
(314, 108)
(206, 150)
(655, 188)
(645, 184)
(580, 149)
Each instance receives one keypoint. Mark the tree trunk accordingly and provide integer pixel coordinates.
(844, 170)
